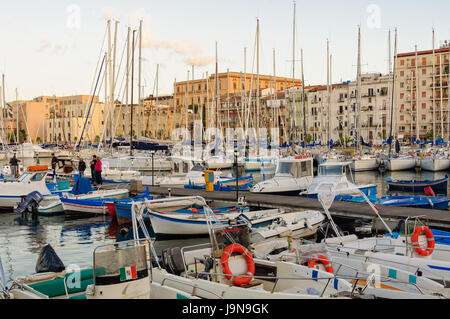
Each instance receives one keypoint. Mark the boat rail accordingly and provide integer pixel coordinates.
(194, 286)
(417, 269)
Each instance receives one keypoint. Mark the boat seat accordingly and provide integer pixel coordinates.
(55, 287)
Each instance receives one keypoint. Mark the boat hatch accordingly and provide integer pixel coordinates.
(119, 262)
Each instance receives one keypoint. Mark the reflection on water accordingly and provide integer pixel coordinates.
(74, 239)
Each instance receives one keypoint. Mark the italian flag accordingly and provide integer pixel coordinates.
(128, 273)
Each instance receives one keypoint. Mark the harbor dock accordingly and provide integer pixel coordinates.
(351, 210)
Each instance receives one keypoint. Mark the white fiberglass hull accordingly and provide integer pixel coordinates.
(401, 164)
(435, 164)
(364, 164)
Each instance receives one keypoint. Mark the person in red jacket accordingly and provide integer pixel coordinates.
(98, 171)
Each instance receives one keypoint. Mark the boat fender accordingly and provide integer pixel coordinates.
(323, 260)
(430, 241)
(236, 248)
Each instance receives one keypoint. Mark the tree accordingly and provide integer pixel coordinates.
(309, 138)
(38, 140)
(429, 135)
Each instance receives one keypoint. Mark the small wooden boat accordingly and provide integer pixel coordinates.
(415, 201)
(413, 186)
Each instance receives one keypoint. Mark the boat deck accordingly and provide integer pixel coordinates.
(436, 218)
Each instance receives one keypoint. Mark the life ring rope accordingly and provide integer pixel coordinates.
(430, 241)
(237, 248)
(323, 260)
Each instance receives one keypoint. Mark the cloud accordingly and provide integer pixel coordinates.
(199, 60)
(57, 49)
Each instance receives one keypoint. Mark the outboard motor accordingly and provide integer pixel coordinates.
(31, 202)
(172, 260)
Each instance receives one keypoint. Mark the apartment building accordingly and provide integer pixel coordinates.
(189, 95)
(422, 79)
(64, 119)
(375, 101)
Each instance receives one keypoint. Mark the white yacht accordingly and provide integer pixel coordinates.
(362, 163)
(293, 175)
(340, 177)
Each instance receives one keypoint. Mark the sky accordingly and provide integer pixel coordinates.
(52, 47)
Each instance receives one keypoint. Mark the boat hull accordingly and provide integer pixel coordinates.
(400, 164)
(435, 165)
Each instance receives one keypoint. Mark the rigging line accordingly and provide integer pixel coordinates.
(95, 72)
(92, 99)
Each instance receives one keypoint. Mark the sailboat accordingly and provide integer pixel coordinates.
(361, 162)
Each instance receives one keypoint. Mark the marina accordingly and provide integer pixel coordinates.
(179, 168)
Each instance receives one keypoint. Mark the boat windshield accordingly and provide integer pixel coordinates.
(118, 264)
(328, 170)
(24, 177)
(286, 168)
(295, 169)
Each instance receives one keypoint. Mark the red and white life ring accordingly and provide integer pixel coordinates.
(430, 241)
(323, 260)
(236, 248)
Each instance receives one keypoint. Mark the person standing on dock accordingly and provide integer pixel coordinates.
(98, 172)
(54, 162)
(81, 167)
(14, 163)
(93, 162)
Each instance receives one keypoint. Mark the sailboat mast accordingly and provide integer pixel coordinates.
(328, 95)
(139, 81)
(417, 96)
(434, 92)
(393, 92)
(17, 116)
(257, 85)
(127, 110)
(358, 92)
(293, 119)
(132, 85)
(217, 91)
(305, 140)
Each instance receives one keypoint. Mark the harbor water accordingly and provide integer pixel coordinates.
(74, 238)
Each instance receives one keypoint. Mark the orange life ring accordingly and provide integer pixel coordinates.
(236, 248)
(430, 241)
(309, 154)
(323, 260)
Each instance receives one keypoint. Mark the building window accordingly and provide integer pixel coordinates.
(402, 62)
(402, 118)
(424, 106)
(424, 71)
(402, 95)
(424, 116)
(424, 94)
(402, 73)
(424, 61)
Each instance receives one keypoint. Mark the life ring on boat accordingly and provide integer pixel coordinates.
(308, 154)
(323, 260)
(236, 248)
(430, 241)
